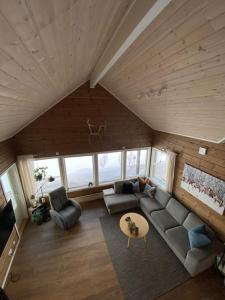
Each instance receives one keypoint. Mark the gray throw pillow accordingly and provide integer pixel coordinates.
(149, 190)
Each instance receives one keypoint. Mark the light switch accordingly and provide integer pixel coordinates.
(202, 151)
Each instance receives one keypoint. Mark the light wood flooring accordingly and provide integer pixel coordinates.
(75, 264)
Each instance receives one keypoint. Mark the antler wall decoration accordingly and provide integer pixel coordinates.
(96, 131)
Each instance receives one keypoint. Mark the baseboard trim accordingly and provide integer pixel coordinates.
(89, 198)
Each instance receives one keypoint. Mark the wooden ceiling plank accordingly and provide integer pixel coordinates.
(140, 15)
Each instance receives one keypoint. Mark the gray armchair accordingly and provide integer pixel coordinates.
(64, 212)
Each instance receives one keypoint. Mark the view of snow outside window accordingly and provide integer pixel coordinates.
(160, 166)
(136, 163)
(79, 171)
(52, 165)
(109, 167)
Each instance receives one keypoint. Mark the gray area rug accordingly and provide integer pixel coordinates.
(144, 271)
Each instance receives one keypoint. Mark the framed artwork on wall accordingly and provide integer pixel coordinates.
(207, 188)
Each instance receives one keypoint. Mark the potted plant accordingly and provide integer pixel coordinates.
(40, 173)
(37, 217)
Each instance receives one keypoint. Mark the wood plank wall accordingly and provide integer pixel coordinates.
(7, 154)
(64, 129)
(2, 197)
(7, 158)
(213, 163)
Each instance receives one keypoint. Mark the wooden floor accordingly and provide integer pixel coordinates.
(75, 265)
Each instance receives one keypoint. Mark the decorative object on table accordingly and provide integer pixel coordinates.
(64, 212)
(96, 131)
(207, 188)
(33, 201)
(132, 226)
(90, 184)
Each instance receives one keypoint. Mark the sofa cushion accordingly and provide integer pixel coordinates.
(162, 196)
(178, 238)
(192, 221)
(149, 204)
(177, 210)
(118, 186)
(58, 198)
(121, 202)
(70, 215)
(163, 219)
(140, 195)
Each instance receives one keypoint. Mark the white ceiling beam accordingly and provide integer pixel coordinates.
(137, 18)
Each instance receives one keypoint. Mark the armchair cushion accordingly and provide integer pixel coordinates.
(58, 198)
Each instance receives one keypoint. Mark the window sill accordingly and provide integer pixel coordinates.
(158, 182)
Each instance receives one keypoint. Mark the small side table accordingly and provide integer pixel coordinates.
(140, 222)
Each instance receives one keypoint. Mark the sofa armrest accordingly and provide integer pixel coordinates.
(108, 192)
(74, 203)
(200, 259)
(58, 219)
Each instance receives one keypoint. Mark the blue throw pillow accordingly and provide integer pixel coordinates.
(199, 228)
(198, 238)
(136, 187)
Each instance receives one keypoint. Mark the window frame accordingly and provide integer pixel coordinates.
(121, 167)
(65, 173)
(148, 158)
(59, 164)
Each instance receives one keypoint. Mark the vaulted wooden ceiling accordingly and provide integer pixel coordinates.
(163, 59)
(47, 49)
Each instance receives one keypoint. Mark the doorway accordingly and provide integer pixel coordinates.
(13, 191)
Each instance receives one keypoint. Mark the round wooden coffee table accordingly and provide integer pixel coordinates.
(140, 222)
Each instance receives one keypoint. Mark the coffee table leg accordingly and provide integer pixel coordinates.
(145, 239)
(128, 242)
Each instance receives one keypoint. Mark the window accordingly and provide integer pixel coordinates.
(52, 165)
(136, 163)
(159, 167)
(79, 171)
(13, 191)
(109, 167)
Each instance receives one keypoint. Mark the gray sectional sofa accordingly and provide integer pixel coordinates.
(172, 220)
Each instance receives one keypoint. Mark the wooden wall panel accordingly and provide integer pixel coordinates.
(213, 163)
(2, 197)
(64, 129)
(7, 154)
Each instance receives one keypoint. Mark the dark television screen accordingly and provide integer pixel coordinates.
(7, 221)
